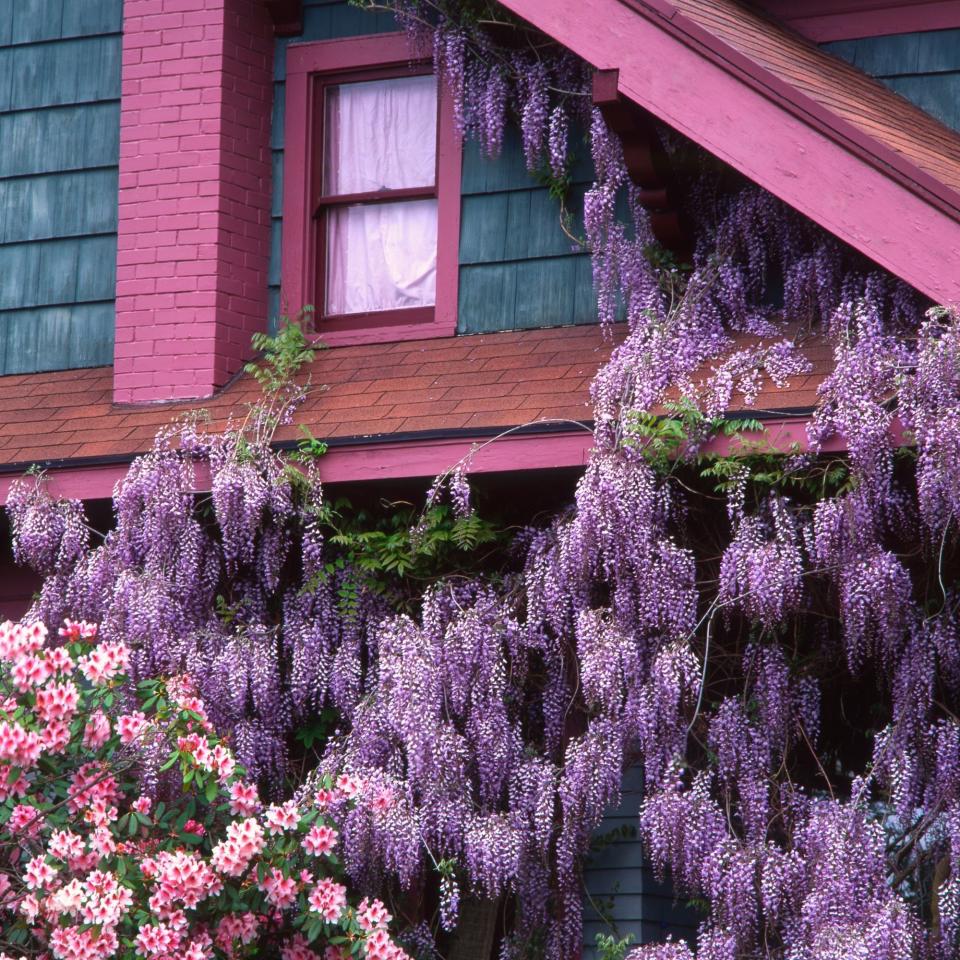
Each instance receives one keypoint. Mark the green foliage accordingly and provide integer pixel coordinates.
(391, 547)
(610, 947)
(663, 439)
(309, 448)
(283, 353)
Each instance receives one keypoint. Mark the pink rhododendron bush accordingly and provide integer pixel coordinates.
(93, 865)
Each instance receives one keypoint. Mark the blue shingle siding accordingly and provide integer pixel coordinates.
(517, 269)
(923, 67)
(59, 147)
(621, 895)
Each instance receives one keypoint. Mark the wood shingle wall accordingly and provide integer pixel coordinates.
(923, 67)
(59, 130)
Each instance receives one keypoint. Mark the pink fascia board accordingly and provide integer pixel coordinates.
(855, 188)
(825, 20)
(298, 255)
(427, 458)
(367, 461)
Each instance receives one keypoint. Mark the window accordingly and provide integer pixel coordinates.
(371, 192)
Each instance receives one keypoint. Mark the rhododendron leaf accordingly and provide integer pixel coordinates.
(210, 791)
(174, 757)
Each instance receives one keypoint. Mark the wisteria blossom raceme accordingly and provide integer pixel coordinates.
(106, 867)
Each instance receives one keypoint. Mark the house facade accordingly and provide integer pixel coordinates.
(176, 174)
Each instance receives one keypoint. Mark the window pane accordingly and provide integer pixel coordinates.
(381, 256)
(380, 135)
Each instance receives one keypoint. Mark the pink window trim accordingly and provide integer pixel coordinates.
(297, 256)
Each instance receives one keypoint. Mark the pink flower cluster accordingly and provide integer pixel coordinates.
(76, 899)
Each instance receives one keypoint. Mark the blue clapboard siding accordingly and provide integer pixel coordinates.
(923, 67)
(59, 146)
(322, 20)
(518, 268)
(622, 897)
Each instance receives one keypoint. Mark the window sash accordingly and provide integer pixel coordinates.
(326, 204)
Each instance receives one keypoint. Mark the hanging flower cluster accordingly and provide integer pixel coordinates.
(92, 868)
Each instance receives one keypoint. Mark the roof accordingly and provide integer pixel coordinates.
(359, 392)
(842, 90)
(410, 408)
(855, 157)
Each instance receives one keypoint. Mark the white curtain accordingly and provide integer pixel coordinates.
(381, 256)
(381, 134)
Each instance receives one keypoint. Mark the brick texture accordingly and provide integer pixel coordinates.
(194, 224)
(360, 391)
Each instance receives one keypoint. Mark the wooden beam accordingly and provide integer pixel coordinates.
(287, 16)
(646, 160)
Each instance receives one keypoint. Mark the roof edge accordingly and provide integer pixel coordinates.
(803, 106)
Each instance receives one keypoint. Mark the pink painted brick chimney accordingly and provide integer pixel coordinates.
(194, 226)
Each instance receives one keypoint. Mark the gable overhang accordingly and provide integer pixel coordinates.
(860, 190)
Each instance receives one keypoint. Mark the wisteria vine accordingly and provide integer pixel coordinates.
(786, 670)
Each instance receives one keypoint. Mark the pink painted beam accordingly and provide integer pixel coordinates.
(429, 458)
(194, 205)
(777, 136)
(823, 20)
(368, 461)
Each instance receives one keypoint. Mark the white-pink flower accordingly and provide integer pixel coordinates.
(281, 817)
(38, 873)
(328, 898)
(320, 839)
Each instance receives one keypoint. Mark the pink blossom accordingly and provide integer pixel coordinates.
(130, 726)
(243, 799)
(60, 660)
(372, 915)
(282, 817)
(157, 940)
(73, 630)
(29, 671)
(281, 891)
(78, 943)
(55, 736)
(25, 821)
(21, 746)
(57, 700)
(349, 786)
(381, 947)
(11, 788)
(141, 804)
(39, 873)
(222, 762)
(105, 662)
(328, 898)
(297, 948)
(244, 841)
(97, 730)
(320, 839)
(236, 926)
(65, 845)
